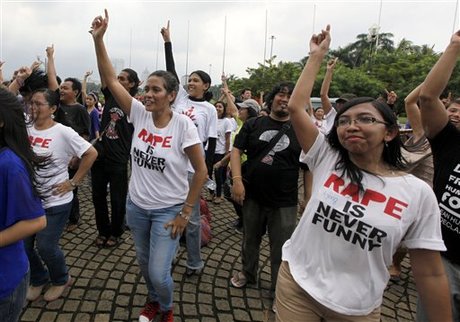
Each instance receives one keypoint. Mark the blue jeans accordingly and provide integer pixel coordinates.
(193, 236)
(453, 276)
(11, 306)
(48, 250)
(155, 249)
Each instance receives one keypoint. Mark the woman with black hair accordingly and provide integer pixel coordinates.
(21, 212)
(50, 138)
(363, 206)
(195, 104)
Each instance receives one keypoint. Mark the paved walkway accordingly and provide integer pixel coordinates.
(108, 285)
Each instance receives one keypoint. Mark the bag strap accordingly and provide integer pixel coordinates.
(268, 147)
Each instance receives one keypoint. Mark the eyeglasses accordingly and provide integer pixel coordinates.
(37, 104)
(345, 121)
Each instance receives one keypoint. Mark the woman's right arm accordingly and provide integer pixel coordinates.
(121, 95)
(434, 115)
(170, 66)
(21, 230)
(306, 131)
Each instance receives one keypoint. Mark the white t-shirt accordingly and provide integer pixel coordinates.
(62, 143)
(159, 163)
(233, 123)
(224, 126)
(203, 114)
(340, 251)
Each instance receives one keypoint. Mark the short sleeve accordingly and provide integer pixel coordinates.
(22, 203)
(190, 136)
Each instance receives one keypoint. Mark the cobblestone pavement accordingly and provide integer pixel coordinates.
(108, 286)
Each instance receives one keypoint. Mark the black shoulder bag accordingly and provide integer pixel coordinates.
(247, 170)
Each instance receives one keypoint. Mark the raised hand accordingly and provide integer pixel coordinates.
(455, 39)
(35, 65)
(331, 63)
(320, 43)
(88, 73)
(99, 26)
(165, 33)
(23, 73)
(50, 51)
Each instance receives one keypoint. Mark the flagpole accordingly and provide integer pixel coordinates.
(186, 57)
(378, 32)
(225, 43)
(314, 19)
(158, 46)
(265, 42)
(455, 24)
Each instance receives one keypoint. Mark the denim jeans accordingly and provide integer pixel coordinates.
(193, 236)
(453, 275)
(11, 306)
(48, 250)
(155, 249)
(103, 173)
(257, 218)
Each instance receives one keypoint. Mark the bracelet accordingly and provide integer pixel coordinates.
(73, 184)
(189, 204)
(237, 177)
(186, 217)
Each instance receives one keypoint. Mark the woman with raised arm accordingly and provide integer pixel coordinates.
(442, 128)
(160, 200)
(21, 212)
(61, 143)
(195, 104)
(362, 207)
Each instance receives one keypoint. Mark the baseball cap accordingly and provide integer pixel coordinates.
(250, 103)
(345, 98)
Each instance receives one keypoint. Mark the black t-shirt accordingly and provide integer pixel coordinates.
(446, 184)
(77, 117)
(273, 182)
(118, 132)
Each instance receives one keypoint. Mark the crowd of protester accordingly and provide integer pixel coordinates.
(370, 197)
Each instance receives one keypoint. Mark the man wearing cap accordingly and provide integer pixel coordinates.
(269, 193)
(250, 104)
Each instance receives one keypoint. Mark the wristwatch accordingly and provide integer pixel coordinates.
(72, 183)
(186, 217)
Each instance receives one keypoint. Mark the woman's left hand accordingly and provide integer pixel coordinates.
(62, 188)
(177, 226)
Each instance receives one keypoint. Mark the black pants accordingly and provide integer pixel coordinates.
(103, 173)
(74, 217)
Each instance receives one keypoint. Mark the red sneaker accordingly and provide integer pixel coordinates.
(149, 312)
(167, 316)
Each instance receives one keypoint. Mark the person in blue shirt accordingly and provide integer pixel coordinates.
(21, 212)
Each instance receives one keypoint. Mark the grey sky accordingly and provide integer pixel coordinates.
(27, 27)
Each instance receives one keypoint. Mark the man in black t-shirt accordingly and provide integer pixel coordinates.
(78, 119)
(269, 198)
(111, 167)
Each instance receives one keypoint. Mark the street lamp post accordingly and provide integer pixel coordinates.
(272, 38)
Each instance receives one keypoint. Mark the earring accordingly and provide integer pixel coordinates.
(385, 143)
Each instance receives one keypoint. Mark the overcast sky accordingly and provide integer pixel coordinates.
(27, 27)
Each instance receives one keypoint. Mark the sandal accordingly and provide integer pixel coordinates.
(112, 241)
(239, 280)
(100, 241)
